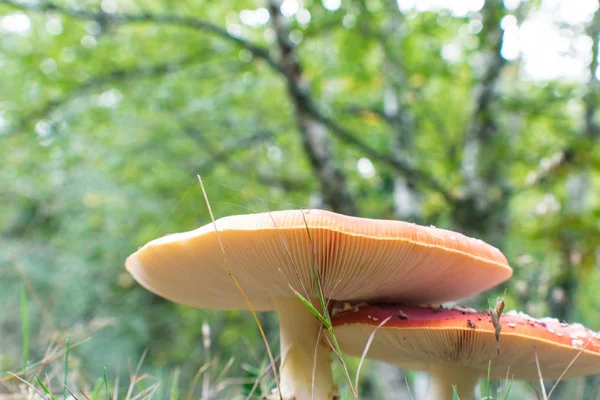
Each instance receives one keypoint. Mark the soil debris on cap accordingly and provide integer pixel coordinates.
(401, 315)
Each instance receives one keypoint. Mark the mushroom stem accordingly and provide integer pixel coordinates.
(444, 377)
(299, 333)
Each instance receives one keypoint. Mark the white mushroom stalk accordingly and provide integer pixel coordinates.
(446, 379)
(304, 354)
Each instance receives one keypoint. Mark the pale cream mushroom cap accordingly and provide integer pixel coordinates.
(359, 258)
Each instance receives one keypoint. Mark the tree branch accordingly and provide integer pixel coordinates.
(399, 163)
(485, 195)
(407, 196)
(592, 98)
(228, 151)
(225, 154)
(113, 76)
(137, 18)
(332, 179)
(412, 173)
(483, 127)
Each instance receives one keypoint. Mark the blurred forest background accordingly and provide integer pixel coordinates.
(476, 116)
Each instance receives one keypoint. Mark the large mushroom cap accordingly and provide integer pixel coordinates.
(425, 338)
(359, 259)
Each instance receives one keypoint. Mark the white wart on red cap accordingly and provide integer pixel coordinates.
(358, 259)
(456, 345)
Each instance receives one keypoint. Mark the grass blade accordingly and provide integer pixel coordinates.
(537, 363)
(106, 385)
(27, 384)
(454, 393)
(71, 393)
(287, 252)
(366, 350)
(44, 388)
(174, 395)
(96, 390)
(408, 388)
(67, 343)
(325, 318)
(487, 395)
(316, 271)
(42, 362)
(319, 291)
(24, 325)
(571, 363)
(239, 288)
(312, 308)
(82, 392)
(508, 388)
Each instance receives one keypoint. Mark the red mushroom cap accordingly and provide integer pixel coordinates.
(419, 338)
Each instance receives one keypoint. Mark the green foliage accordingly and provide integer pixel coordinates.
(106, 121)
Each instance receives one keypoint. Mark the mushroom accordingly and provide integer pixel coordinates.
(356, 258)
(456, 345)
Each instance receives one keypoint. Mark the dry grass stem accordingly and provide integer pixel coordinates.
(537, 363)
(366, 350)
(571, 363)
(408, 388)
(248, 303)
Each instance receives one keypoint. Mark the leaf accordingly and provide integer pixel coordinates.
(319, 290)
(312, 309)
(44, 388)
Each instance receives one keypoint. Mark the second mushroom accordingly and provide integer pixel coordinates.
(457, 345)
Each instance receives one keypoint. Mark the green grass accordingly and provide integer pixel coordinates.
(454, 393)
(488, 382)
(148, 387)
(171, 386)
(139, 389)
(44, 388)
(24, 326)
(106, 390)
(174, 393)
(66, 372)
